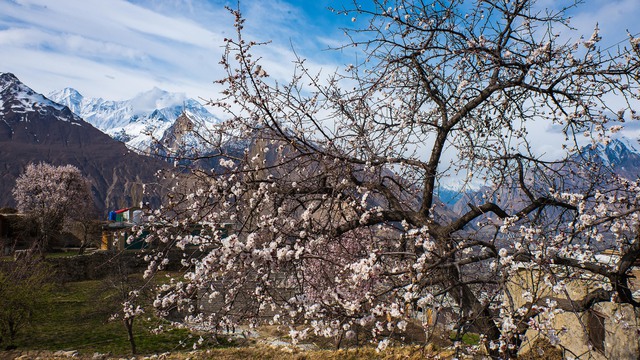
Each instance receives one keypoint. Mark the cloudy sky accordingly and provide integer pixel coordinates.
(115, 49)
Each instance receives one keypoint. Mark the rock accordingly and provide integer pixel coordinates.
(63, 353)
(306, 347)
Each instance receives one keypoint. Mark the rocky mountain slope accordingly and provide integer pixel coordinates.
(620, 157)
(35, 129)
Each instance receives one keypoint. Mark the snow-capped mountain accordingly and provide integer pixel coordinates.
(138, 122)
(35, 129)
(622, 156)
(19, 101)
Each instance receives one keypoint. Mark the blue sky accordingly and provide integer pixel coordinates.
(115, 49)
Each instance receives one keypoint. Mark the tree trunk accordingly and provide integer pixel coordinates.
(85, 233)
(482, 319)
(83, 246)
(128, 323)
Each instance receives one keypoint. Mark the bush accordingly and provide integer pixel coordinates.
(22, 284)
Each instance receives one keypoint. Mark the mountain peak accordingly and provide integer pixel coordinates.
(139, 120)
(67, 92)
(616, 146)
(69, 97)
(17, 100)
(8, 79)
(623, 144)
(621, 154)
(5, 76)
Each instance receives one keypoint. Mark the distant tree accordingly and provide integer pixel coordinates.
(52, 195)
(90, 228)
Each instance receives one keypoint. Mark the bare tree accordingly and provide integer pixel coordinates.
(129, 291)
(51, 195)
(22, 286)
(90, 228)
(337, 221)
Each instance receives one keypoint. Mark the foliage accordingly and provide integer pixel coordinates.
(23, 284)
(337, 223)
(89, 229)
(52, 195)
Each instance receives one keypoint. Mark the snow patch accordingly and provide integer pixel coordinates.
(144, 118)
(615, 151)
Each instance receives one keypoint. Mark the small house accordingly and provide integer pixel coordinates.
(117, 232)
(129, 215)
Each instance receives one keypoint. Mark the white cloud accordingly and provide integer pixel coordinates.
(613, 17)
(116, 49)
(69, 44)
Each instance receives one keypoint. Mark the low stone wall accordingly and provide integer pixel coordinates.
(95, 266)
(98, 265)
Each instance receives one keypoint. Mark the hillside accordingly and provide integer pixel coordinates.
(36, 129)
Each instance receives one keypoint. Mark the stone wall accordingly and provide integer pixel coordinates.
(617, 330)
(99, 265)
(95, 266)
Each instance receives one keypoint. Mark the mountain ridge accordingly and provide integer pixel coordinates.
(139, 122)
(619, 157)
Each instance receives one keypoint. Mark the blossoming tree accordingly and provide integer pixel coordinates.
(338, 229)
(52, 195)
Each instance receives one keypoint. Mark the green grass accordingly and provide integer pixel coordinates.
(467, 338)
(75, 316)
(52, 255)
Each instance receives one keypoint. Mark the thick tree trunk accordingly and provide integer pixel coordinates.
(482, 319)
